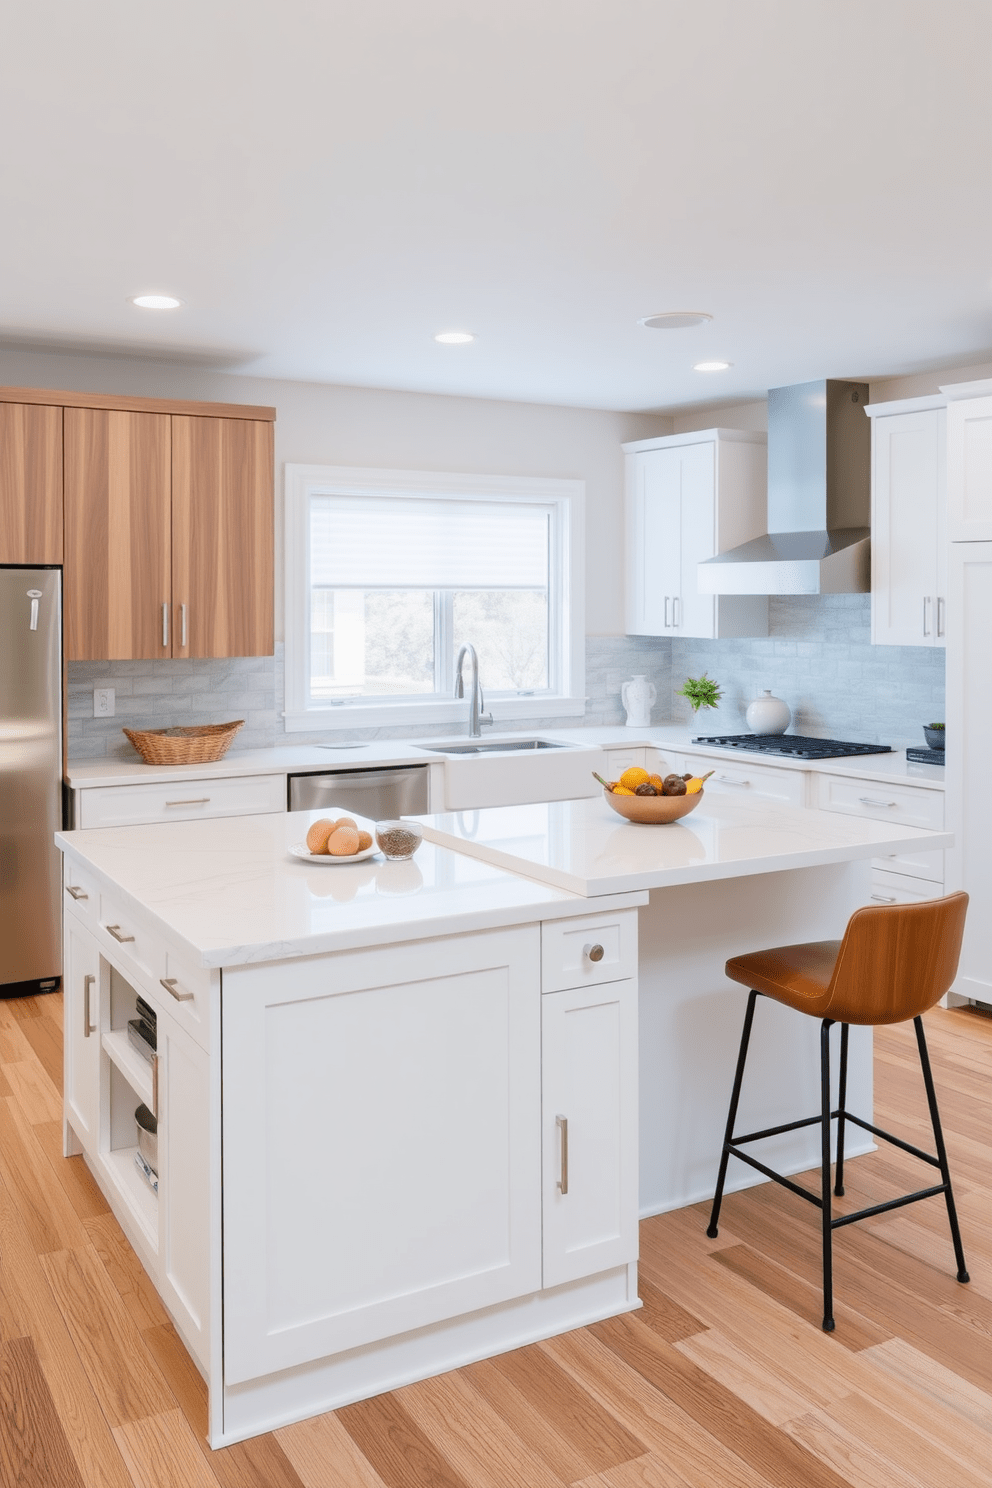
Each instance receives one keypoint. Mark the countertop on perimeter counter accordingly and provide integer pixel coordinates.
(586, 847)
(229, 890)
(287, 759)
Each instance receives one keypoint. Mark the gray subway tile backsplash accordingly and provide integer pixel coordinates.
(818, 657)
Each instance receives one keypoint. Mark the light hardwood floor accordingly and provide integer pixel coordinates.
(723, 1380)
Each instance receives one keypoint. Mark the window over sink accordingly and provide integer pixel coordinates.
(389, 573)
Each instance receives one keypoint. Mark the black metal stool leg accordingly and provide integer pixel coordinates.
(938, 1135)
(841, 1109)
(735, 1096)
(828, 1275)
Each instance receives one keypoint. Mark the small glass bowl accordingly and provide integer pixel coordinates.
(398, 840)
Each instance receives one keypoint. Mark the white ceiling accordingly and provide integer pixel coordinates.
(326, 184)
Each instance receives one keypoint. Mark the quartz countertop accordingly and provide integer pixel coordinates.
(231, 894)
(312, 758)
(586, 847)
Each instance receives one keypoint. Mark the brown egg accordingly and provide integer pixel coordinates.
(346, 821)
(318, 835)
(343, 842)
(364, 841)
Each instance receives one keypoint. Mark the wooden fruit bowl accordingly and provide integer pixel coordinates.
(653, 809)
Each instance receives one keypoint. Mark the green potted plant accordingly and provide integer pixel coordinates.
(700, 692)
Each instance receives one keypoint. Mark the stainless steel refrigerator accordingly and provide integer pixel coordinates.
(30, 779)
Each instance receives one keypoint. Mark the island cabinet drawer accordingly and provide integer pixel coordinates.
(596, 948)
(908, 805)
(137, 950)
(184, 990)
(80, 891)
(900, 888)
(746, 781)
(131, 805)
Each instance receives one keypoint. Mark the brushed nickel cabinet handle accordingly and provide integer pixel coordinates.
(884, 898)
(155, 1060)
(182, 625)
(562, 1124)
(76, 892)
(666, 612)
(874, 801)
(593, 952)
(165, 624)
(941, 602)
(195, 801)
(115, 931)
(169, 983)
(926, 627)
(88, 981)
(675, 612)
(733, 780)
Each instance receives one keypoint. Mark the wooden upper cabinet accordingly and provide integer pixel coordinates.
(118, 530)
(222, 537)
(30, 483)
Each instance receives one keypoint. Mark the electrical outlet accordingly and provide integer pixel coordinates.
(103, 702)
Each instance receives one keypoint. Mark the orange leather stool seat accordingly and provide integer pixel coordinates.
(893, 964)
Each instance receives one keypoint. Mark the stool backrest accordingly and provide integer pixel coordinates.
(898, 960)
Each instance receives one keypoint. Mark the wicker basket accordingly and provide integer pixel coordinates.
(184, 746)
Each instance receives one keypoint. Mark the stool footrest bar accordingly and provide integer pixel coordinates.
(795, 1188)
(878, 1131)
(923, 1193)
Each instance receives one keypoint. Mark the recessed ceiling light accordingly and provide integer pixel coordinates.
(675, 320)
(711, 366)
(454, 338)
(156, 302)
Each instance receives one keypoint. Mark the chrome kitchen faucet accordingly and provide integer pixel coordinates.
(477, 702)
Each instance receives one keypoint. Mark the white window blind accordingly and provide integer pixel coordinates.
(385, 542)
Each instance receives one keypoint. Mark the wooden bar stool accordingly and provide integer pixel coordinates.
(894, 963)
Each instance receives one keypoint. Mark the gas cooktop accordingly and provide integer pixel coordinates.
(793, 745)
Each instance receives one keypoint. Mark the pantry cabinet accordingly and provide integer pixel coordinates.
(30, 483)
(909, 523)
(689, 497)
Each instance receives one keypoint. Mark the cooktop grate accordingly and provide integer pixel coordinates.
(796, 746)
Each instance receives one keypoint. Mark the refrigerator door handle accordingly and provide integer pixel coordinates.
(34, 595)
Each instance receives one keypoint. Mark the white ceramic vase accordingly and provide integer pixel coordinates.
(768, 714)
(638, 695)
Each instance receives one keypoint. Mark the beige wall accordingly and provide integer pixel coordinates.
(321, 424)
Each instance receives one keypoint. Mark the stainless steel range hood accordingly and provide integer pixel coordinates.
(819, 499)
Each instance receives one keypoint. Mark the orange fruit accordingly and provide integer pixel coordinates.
(634, 777)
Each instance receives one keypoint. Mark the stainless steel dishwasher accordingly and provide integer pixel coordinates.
(379, 795)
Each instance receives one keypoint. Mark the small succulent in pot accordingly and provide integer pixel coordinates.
(700, 692)
(934, 734)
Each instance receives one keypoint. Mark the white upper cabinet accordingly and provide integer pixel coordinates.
(689, 497)
(969, 468)
(909, 523)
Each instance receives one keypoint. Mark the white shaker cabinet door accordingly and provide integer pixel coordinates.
(184, 1155)
(969, 470)
(81, 1037)
(654, 541)
(590, 1130)
(909, 523)
(382, 1164)
(968, 864)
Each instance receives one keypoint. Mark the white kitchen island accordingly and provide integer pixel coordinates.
(398, 1102)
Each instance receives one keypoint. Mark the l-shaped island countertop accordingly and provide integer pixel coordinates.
(231, 892)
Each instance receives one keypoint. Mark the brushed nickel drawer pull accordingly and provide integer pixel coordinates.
(76, 892)
(115, 931)
(884, 898)
(169, 983)
(874, 801)
(562, 1124)
(155, 1060)
(733, 780)
(593, 952)
(196, 801)
(88, 981)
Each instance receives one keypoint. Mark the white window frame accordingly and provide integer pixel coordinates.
(566, 619)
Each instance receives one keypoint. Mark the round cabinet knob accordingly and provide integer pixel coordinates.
(594, 952)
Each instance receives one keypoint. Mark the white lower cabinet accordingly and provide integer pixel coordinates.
(382, 1162)
(901, 888)
(589, 1097)
(106, 1079)
(81, 1037)
(747, 781)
